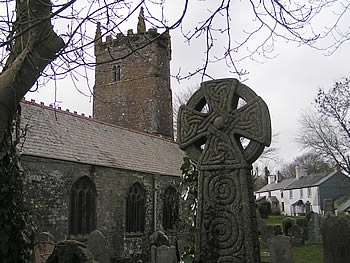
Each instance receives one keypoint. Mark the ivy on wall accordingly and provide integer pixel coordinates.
(16, 234)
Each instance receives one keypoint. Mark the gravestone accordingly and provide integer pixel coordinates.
(224, 137)
(163, 254)
(268, 233)
(44, 247)
(328, 206)
(296, 234)
(280, 250)
(98, 247)
(314, 229)
(302, 222)
(336, 239)
(287, 223)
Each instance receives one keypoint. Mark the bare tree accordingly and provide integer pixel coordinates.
(313, 162)
(327, 130)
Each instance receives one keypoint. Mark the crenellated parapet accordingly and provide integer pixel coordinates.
(131, 42)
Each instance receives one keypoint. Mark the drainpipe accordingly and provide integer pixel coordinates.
(155, 177)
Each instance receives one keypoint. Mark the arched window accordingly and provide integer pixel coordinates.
(116, 72)
(170, 208)
(82, 207)
(135, 209)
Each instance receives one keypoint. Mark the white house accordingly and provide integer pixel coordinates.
(297, 196)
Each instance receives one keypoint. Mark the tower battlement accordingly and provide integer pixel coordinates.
(132, 80)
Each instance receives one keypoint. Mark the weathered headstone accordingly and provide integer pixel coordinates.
(98, 247)
(44, 246)
(268, 233)
(287, 223)
(163, 254)
(302, 222)
(296, 234)
(281, 250)
(336, 239)
(328, 206)
(225, 137)
(314, 229)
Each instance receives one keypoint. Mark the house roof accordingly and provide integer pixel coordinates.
(311, 180)
(342, 203)
(62, 135)
(293, 183)
(277, 186)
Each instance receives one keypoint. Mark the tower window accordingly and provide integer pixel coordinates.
(135, 209)
(82, 207)
(170, 208)
(116, 72)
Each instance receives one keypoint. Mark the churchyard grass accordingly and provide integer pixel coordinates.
(310, 253)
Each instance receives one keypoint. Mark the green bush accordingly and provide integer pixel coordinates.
(264, 209)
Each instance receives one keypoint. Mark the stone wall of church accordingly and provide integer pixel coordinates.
(48, 185)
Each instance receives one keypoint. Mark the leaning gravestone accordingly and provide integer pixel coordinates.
(225, 137)
(281, 250)
(97, 246)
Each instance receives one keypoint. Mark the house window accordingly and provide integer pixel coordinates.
(282, 204)
(82, 207)
(135, 209)
(269, 193)
(301, 193)
(170, 208)
(281, 194)
(290, 194)
(309, 192)
(116, 73)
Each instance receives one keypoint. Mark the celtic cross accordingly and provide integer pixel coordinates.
(224, 127)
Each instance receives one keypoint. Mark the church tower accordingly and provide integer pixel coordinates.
(132, 80)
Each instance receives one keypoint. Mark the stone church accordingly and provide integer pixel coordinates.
(117, 170)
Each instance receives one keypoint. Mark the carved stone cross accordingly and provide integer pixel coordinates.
(224, 127)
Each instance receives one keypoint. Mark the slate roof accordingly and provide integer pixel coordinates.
(310, 180)
(293, 183)
(280, 185)
(65, 136)
(342, 203)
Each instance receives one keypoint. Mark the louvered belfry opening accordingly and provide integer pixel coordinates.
(135, 209)
(170, 208)
(82, 207)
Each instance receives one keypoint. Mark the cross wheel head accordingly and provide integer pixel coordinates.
(224, 125)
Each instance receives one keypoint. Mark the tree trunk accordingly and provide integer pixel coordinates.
(33, 47)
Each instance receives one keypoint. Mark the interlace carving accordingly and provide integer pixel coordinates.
(224, 127)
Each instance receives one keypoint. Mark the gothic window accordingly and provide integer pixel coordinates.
(170, 208)
(135, 209)
(116, 73)
(82, 207)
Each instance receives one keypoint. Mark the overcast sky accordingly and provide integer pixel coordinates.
(288, 83)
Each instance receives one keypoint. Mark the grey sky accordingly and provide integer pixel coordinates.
(288, 83)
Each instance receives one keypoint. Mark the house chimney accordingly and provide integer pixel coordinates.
(271, 179)
(300, 171)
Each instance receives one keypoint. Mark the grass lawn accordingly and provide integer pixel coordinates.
(305, 254)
